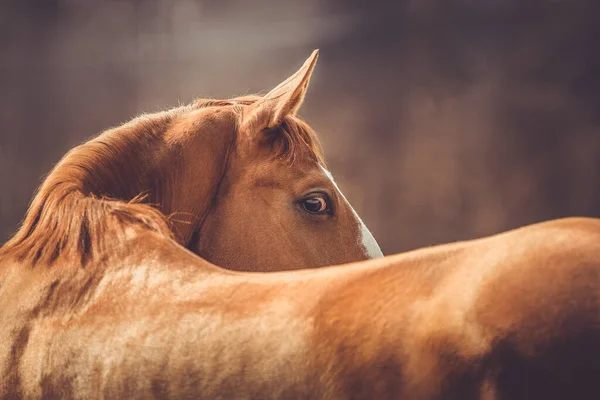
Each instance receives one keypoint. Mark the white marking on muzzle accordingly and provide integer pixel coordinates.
(368, 241)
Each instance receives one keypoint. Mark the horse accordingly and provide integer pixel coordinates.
(242, 182)
(119, 308)
(513, 316)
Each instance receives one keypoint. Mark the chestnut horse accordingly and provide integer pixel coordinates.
(120, 309)
(243, 182)
(514, 316)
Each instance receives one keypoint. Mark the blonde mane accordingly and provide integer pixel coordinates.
(97, 189)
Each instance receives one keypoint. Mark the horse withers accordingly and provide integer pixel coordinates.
(242, 182)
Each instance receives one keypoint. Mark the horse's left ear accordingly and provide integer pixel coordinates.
(284, 100)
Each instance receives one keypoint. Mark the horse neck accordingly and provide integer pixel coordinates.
(196, 167)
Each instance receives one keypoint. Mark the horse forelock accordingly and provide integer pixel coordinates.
(294, 136)
(297, 139)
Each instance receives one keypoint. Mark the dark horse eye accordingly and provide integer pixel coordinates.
(315, 205)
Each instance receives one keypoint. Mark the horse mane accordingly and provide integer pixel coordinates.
(95, 192)
(89, 197)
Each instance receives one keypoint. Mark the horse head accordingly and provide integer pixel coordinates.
(242, 183)
(276, 205)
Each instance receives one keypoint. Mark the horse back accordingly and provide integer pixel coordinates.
(513, 316)
(520, 317)
(540, 307)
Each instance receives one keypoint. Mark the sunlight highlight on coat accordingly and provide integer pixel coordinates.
(368, 241)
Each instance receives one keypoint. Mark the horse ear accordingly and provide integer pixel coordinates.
(284, 100)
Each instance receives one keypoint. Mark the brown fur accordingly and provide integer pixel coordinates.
(107, 176)
(514, 316)
(67, 217)
(98, 299)
(165, 171)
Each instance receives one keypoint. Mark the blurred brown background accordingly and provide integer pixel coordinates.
(441, 119)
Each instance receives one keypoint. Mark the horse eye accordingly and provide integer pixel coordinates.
(315, 205)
